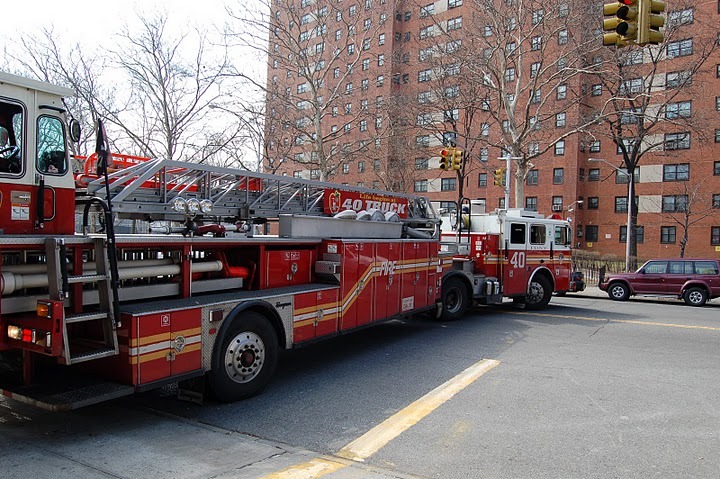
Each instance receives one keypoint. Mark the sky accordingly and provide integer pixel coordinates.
(88, 20)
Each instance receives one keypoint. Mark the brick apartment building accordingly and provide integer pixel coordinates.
(379, 81)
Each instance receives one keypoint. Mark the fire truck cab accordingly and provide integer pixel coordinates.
(37, 189)
(514, 253)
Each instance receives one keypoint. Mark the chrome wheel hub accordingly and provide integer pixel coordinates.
(244, 357)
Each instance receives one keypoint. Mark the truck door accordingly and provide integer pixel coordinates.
(515, 274)
(562, 261)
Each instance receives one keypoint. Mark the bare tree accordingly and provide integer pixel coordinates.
(310, 121)
(690, 203)
(169, 97)
(648, 110)
(515, 68)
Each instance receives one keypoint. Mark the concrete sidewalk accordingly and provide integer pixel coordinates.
(123, 440)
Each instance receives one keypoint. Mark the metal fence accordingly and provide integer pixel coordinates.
(592, 264)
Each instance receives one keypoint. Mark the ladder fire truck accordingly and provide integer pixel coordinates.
(88, 314)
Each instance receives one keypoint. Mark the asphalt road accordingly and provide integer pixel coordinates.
(589, 388)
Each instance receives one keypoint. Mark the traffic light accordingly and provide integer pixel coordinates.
(621, 18)
(445, 159)
(457, 159)
(498, 177)
(649, 22)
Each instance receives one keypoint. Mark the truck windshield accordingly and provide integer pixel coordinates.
(51, 153)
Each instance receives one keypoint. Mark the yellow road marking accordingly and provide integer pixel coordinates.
(377, 437)
(309, 470)
(625, 321)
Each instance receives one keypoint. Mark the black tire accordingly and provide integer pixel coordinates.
(618, 291)
(454, 299)
(539, 293)
(695, 296)
(244, 357)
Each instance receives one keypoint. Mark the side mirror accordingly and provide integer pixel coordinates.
(75, 130)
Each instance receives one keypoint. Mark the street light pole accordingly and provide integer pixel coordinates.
(629, 233)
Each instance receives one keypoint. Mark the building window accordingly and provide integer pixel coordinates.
(682, 109)
(421, 163)
(621, 204)
(678, 79)
(716, 168)
(593, 202)
(674, 203)
(557, 203)
(561, 92)
(715, 235)
(531, 203)
(501, 203)
(346, 168)
(591, 233)
(427, 10)
(482, 180)
(421, 186)
(447, 184)
(424, 75)
(532, 177)
(454, 24)
(680, 48)
(558, 176)
(534, 69)
(537, 16)
(667, 234)
(639, 234)
(679, 172)
(454, 3)
(536, 43)
(677, 141)
(361, 167)
(716, 201)
(560, 119)
(596, 90)
(560, 148)
(562, 37)
(380, 80)
(681, 17)
(594, 174)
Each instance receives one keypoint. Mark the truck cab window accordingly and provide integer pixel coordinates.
(11, 122)
(537, 234)
(51, 153)
(517, 233)
(562, 236)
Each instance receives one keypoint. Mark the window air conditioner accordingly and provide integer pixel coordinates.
(557, 207)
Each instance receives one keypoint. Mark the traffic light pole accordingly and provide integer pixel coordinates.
(508, 170)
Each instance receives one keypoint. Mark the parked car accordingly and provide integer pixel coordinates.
(694, 280)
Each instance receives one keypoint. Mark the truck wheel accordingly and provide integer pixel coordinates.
(454, 299)
(539, 293)
(618, 292)
(695, 296)
(244, 358)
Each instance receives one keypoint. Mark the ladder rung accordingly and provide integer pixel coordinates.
(87, 278)
(80, 318)
(90, 355)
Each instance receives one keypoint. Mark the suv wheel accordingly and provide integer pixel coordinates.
(618, 292)
(695, 296)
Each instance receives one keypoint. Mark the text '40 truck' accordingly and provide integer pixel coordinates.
(128, 276)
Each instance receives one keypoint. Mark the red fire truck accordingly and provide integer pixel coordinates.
(128, 277)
